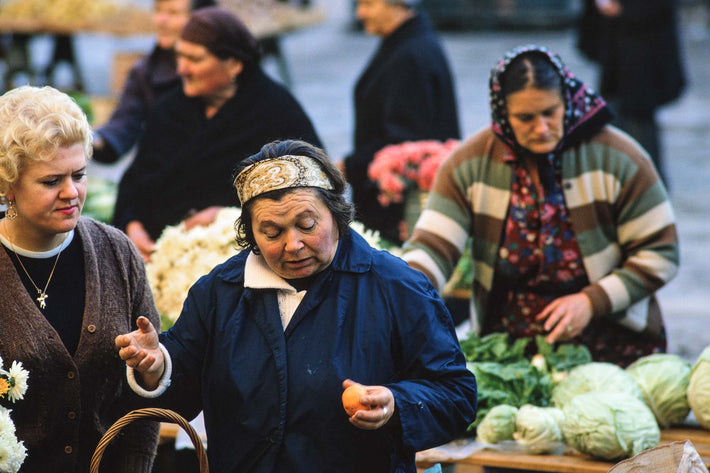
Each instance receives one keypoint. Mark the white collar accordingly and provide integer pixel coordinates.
(258, 275)
(38, 254)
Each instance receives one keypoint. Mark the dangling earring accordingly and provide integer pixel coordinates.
(11, 212)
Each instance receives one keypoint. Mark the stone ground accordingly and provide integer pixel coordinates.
(325, 60)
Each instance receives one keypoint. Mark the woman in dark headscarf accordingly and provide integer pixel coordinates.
(226, 109)
(572, 228)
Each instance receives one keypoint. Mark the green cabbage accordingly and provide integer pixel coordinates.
(595, 376)
(498, 424)
(699, 388)
(609, 425)
(537, 429)
(664, 379)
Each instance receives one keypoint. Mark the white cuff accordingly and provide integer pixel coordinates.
(162, 384)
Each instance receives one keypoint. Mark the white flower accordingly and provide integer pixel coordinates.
(181, 257)
(12, 452)
(18, 381)
(6, 423)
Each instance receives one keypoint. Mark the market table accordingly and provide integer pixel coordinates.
(63, 19)
(570, 462)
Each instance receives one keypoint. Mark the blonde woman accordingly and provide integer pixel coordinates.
(69, 286)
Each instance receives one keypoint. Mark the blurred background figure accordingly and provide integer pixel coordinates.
(557, 249)
(406, 93)
(636, 44)
(150, 78)
(226, 109)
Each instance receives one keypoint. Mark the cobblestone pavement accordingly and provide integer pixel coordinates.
(324, 62)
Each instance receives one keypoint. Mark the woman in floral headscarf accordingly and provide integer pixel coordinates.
(572, 229)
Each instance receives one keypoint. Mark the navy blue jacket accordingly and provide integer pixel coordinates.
(406, 93)
(272, 398)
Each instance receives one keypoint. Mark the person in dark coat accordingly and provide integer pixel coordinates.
(268, 341)
(636, 44)
(226, 109)
(406, 93)
(149, 79)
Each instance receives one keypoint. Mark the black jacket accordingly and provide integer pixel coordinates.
(406, 93)
(639, 54)
(185, 160)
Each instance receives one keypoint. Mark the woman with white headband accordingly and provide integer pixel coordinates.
(267, 341)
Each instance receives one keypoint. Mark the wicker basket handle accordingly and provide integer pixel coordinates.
(151, 413)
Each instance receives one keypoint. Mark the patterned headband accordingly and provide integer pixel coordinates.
(283, 172)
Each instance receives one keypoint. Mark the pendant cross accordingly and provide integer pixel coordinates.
(41, 299)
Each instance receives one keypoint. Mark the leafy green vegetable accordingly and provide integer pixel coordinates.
(100, 199)
(493, 347)
(609, 425)
(505, 374)
(563, 358)
(595, 376)
(699, 388)
(498, 424)
(663, 378)
(515, 384)
(538, 429)
(84, 102)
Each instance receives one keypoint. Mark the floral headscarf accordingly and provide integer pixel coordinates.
(585, 111)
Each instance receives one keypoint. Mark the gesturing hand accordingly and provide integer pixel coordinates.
(141, 351)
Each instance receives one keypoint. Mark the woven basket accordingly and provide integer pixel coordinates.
(164, 415)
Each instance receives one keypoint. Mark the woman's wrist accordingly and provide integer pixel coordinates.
(159, 384)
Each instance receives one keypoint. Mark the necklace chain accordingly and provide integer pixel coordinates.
(41, 293)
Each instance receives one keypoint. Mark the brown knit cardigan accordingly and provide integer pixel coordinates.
(71, 401)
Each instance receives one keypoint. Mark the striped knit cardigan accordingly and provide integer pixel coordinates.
(618, 207)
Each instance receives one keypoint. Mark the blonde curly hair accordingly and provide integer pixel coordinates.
(34, 123)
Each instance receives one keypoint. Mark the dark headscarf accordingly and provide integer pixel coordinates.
(223, 34)
(585, 111)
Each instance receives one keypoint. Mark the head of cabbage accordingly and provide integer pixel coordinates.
(664, 379)
(609, 425)
(537, 429)
(699, 388)
(595, 376)
(498, 424)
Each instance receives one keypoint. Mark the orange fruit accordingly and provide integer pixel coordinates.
(351, 399)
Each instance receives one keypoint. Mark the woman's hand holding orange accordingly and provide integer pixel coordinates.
(377, 404)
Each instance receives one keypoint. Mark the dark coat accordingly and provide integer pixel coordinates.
(149, 79)
(272, 398)
(185, 160)
(639, 54)
(406, 93)
(72, 400)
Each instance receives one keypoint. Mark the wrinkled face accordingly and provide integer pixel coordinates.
(537, 118)
(377, 16)
(170, 17)
(49, 195)
(204, 74)
(297, 235)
